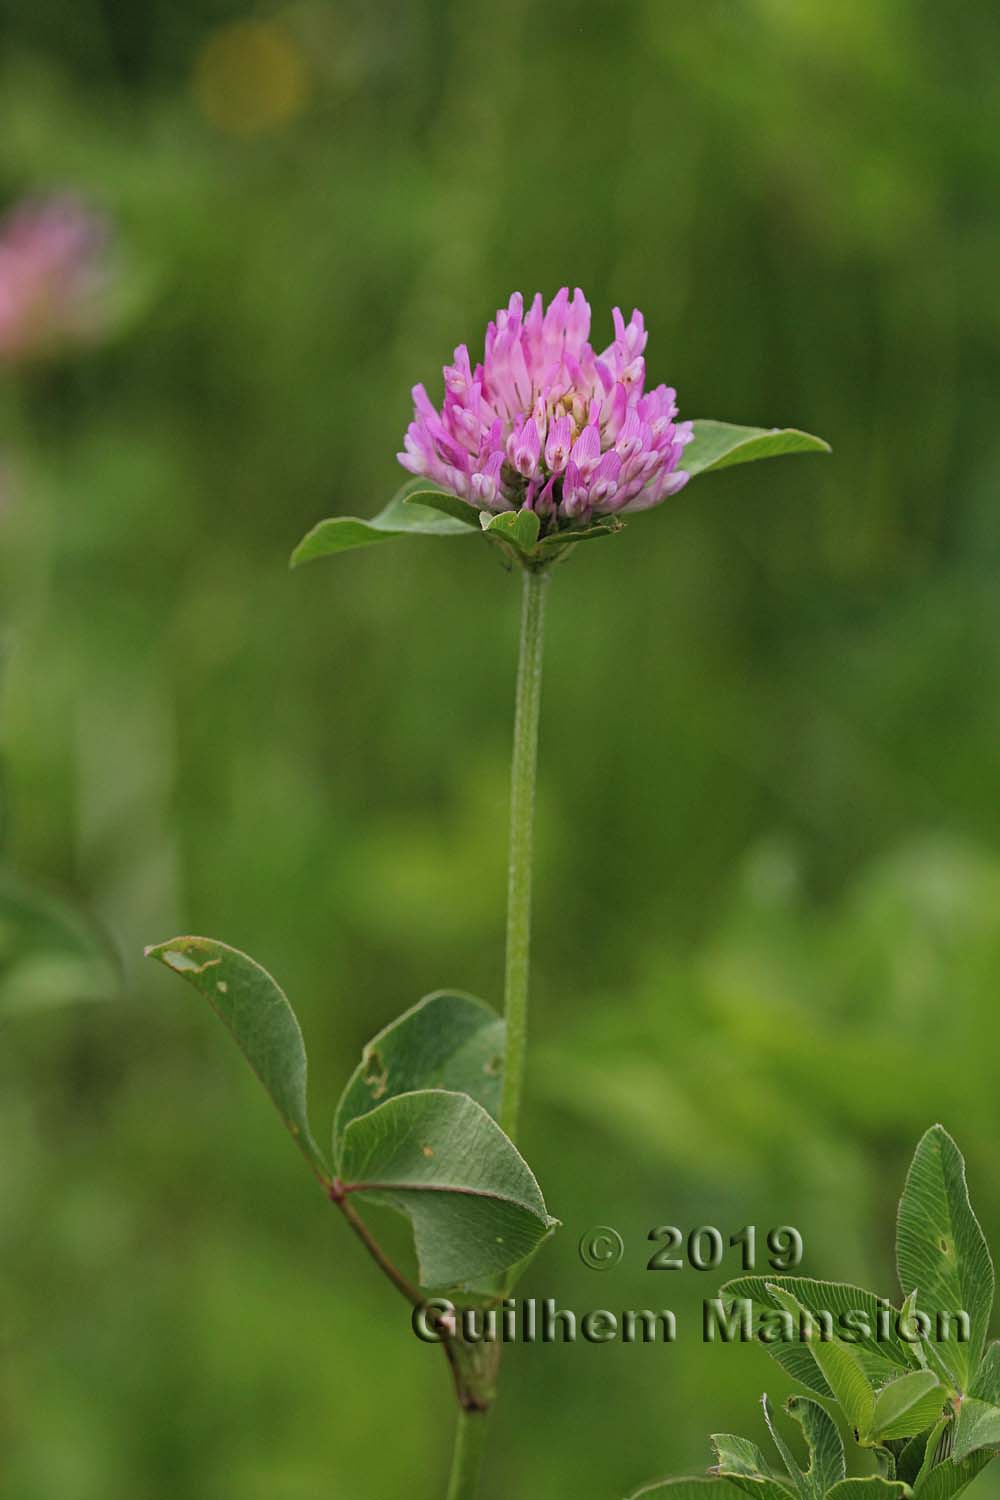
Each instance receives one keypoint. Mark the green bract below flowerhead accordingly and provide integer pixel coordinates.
(421, 509)
(547, 441)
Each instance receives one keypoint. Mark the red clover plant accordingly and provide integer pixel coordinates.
(543, 445)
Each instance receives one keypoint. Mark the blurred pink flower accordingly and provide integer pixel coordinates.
(545, 423)
(56, 273)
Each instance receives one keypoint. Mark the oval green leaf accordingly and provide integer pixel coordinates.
(446, 1041)
(403, 516)
(941, 1250)
(441, 1160)
(976, 1426)
(262, 1023)
(720, 445)
(907, 1406)
(519, 528)
(446, 504)
(839, 1366)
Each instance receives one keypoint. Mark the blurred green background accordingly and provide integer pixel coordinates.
(768, 915)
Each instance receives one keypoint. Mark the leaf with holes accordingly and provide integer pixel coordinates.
(446, 1041)
(441, 1160)
(263, 1025)
(941, 1251)
(737, 1455)
(742, 1463)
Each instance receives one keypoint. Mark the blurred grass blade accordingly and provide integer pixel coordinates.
(441, 1160)
(403, 516)
(263, 1025)
(719, 445)
(446, 1041)
(51, 952)
(941, 1250)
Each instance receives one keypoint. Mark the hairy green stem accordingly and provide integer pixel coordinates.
(524, 765)
(470, 1435)
(470, 1440)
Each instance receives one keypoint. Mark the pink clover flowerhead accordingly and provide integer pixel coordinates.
(547, 423)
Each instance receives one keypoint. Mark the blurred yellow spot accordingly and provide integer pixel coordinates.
(250, 77)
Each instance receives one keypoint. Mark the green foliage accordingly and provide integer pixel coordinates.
(879, 1359)
(930, 1437)
(263, 1025)
(827, 1463)
(871, 1487)
(517, 528)
(842, 1371)
(976, 1426)
(411, 1131)
(942, 1252)
(797, 833)
(441, 1160)
(421, 509)
(906, 1406)
(945, 1269)
(740, 1463)
(986, 1383)
(720, 445)
(403, 516)
(689, 1489)
(446, 1041)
